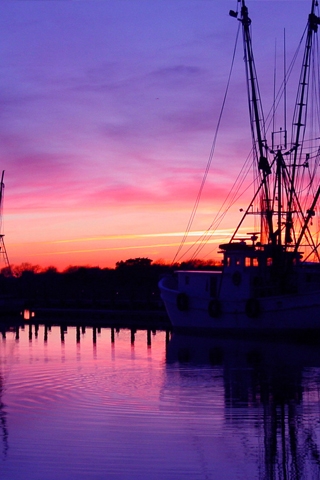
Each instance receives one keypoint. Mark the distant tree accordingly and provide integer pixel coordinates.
(197, 264)
(77, 268)
(71, 269)
(50, 269)
(161, 262)
(134, 262)
(18, 270)
(6, 271)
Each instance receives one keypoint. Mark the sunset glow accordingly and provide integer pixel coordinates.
(108, 115)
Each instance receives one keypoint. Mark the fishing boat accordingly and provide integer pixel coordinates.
(269, 279)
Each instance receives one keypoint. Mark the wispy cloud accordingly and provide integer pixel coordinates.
(107, 115)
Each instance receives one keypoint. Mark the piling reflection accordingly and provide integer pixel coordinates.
(3, 414)
(277, 384)
(3, 422)
(80, 330)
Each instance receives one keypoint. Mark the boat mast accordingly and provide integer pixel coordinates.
(284, 203)
(257, 122)
(298, 132)
(3, 250)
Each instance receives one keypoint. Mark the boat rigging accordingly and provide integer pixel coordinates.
(267, 274)
(284, 222)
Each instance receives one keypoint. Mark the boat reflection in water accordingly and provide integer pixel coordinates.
(269, 398)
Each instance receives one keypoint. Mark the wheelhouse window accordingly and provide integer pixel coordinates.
(227, 261)
(251, 262)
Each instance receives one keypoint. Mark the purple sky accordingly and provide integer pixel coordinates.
(108, 111)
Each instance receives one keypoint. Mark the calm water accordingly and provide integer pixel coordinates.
(104, 405)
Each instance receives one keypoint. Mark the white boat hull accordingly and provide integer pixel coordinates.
(286, 312)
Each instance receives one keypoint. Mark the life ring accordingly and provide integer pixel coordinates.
(252, 308)
(182, 302)
(236, 278)
(214, 308)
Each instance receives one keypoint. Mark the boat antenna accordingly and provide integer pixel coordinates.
(274, 85)
(285, 86)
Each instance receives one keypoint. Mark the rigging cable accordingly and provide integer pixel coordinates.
(221, 214)
(196, 204)
(269, 118)
(205, 237)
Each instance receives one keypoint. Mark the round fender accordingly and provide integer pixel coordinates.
(252, 308)
(214, 308)
(182, 302)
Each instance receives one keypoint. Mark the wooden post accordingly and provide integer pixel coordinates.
(78, 333)
(133, 331)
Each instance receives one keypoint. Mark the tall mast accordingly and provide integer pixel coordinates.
(257, 124)
(280, 179)
(299, 127)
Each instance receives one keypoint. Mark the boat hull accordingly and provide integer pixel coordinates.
(276, 313)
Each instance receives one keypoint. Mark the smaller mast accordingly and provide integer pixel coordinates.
(3, 251)
(299, 127)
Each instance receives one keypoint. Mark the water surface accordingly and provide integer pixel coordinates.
(89, 404)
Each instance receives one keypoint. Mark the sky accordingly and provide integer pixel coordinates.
(108, 112)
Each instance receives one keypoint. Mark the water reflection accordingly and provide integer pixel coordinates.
(103, 402)
(271, 397)
(3, 422)
(3, 413)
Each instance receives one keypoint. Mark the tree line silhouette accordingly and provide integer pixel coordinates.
(132, 284)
